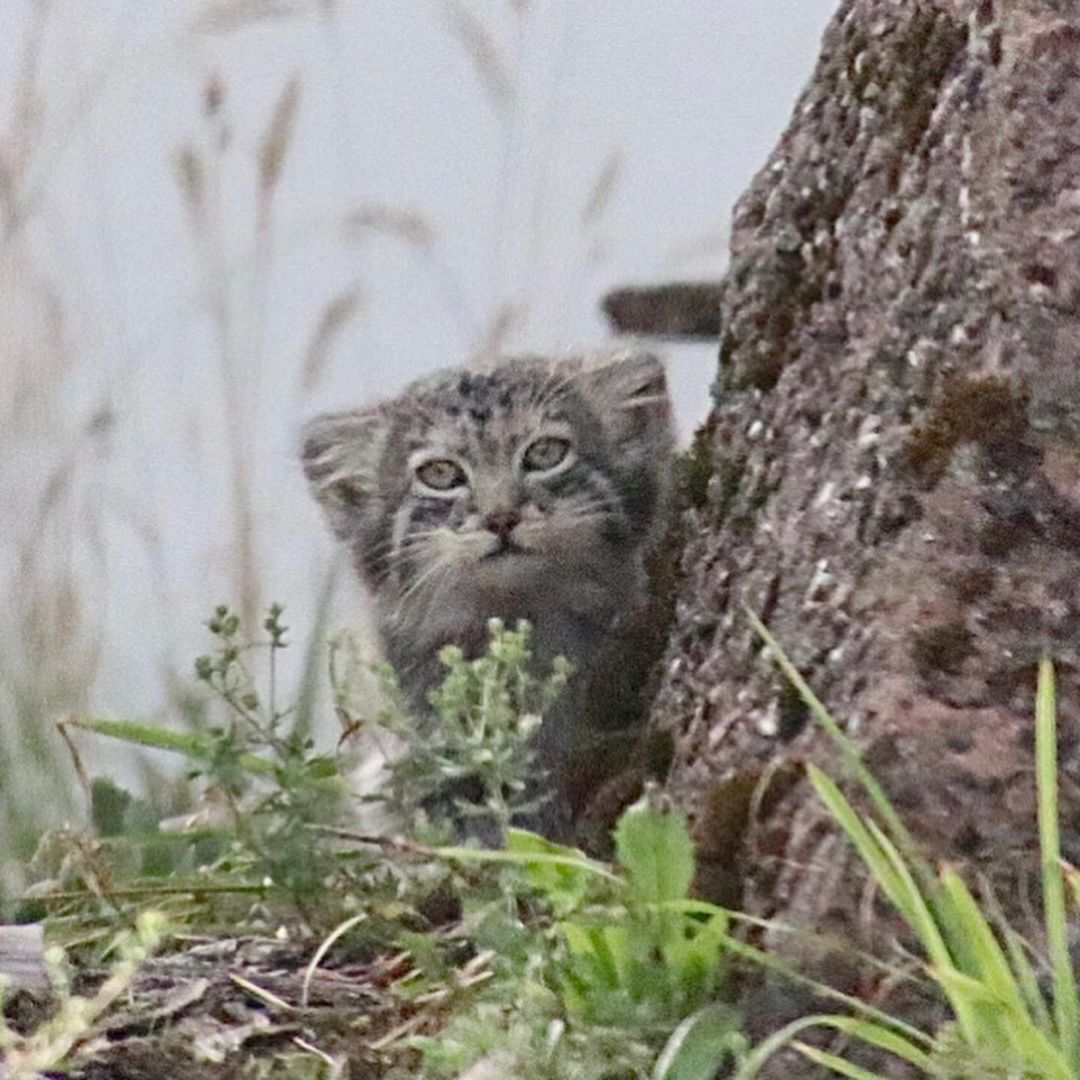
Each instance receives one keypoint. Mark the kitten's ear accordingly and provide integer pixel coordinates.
(629, 391)
(340, 453)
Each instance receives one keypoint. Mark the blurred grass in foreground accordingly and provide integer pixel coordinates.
(58, 446)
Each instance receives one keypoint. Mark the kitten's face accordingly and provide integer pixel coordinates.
(490, 482)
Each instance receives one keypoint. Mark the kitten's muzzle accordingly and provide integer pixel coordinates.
(501, 524)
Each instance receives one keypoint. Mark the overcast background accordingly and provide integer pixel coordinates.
(455, 177)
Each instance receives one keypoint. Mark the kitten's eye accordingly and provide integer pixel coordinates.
(441, 475)
(545, 453)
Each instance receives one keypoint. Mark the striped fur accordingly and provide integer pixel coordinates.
(512, 535)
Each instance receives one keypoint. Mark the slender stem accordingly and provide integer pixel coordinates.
(273, 685)
(1066, 1005)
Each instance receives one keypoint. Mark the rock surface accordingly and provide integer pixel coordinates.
(893, 462)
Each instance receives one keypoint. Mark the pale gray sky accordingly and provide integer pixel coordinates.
(687, 97)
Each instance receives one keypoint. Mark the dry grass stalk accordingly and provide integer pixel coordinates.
(23, 135)
(334, 318)
(226, 16)
(278, 135)
(404, 224)
(200, 187)
(483, 51)
(506, 319)
(191, 178)
(213, 95)
(51, 536)
(245, 392)
(603, 190)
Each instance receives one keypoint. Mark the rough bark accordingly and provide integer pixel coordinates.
(893, 460)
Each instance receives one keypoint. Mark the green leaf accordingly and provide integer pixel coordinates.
(108, 807)
(191, 745)
(655, 847)
(700, 1045)
(575, 861)
(564, 884)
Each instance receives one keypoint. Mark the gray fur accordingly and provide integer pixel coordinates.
(578, 532)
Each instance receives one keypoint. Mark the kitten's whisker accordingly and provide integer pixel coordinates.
(439, 569)
(590, 507)
(391, 551)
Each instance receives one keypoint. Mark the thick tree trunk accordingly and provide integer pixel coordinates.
(893, 461)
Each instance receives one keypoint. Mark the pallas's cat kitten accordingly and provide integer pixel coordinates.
(536, 491)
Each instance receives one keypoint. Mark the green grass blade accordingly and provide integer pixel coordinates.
(866, 844)
(898, 883)
(855, 1004)
(1020, 963)
(525, 859)
(883, 1038)
(974, 989)
(983, 946)
(1066, 1005)
(924, 920)
(307, 697)
(1003, 1035)
(838, 1065)
(896, 828)
(1026, 977)
(867, 1031)
(699, 1045)
(154, 737)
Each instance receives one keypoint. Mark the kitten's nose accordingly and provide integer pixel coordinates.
(502, 523)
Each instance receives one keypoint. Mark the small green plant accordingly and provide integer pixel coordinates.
(47, 1046)
(549, 965)
(259, 763)
(276, 821)
(645, 964)
(471, 760)
(1005, 1023)
(303, 787)
(608, 965)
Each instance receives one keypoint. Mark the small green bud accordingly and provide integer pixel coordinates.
(449, 655)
